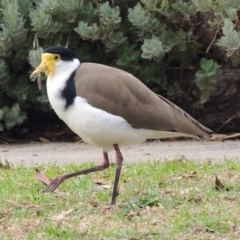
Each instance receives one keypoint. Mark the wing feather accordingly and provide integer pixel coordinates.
(120, 93)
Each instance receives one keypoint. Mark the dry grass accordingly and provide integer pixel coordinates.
(158, 200)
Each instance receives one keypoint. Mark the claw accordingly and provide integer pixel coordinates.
(42, 178)
(52, 186)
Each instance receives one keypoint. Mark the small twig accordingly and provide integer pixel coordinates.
(190, 89)
(219, 186)
(14, 204)
(113, 3)
(231, 118)
(29, 205)
(181, 75)
(214, 38)
(68, 40)
(98, 8)
(35, 41)
(39, 82)
(2, 219)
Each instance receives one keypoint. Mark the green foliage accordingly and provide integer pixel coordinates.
(174, 90)
(188, 55)
(230, 41)
(109, 20)
(184, 7)
(4, 76)
(12, 116)
(115, 39)
(1, 117)
(35, 56)
(87, 32)
(208, 78)
(127, 54)
(41, 20)
(153, 49)
(109, 16)
(20, 90)
(143, 37)
(145, 21)
(204, 5)
(138, 17)
(12, 31)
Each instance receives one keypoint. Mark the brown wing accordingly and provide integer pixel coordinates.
(120, 93)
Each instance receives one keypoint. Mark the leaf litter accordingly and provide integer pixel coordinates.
(219, 186)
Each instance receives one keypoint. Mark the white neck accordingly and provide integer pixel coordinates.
(65, 67)
(57, 82)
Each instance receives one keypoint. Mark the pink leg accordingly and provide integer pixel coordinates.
(119, 160)
(55, 182)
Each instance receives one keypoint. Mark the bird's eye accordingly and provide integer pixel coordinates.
(56, 57)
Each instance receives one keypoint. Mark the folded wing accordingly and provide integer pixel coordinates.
(120, 93)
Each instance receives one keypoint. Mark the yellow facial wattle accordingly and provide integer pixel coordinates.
(47, 64)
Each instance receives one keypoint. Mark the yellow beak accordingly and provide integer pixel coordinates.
(47, 65)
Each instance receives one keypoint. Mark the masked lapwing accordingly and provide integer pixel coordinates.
(109, 108)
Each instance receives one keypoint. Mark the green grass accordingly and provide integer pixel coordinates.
(157, 200)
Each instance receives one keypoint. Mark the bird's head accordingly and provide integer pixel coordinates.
(53, 59)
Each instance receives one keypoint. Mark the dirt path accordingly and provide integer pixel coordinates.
(33, 153)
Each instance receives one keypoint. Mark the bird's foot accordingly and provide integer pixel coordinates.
(54, 183)
(42, 178)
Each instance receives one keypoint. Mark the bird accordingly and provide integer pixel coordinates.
(109, 108)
